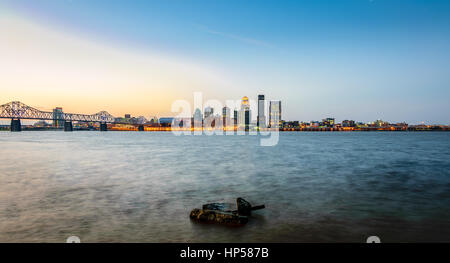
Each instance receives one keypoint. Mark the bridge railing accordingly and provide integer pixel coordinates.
(18, 110)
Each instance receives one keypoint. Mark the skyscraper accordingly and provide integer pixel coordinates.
(198, 118)
(274, 113)
(244, 113)
(261, 122)
(247, 120)
(226, 117)
(209, 111)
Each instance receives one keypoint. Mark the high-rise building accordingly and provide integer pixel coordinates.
(209, 111)
(127, 116)
(58, 117)
(198, 118)
(274, 113)
(226, 118)
(245, 104)
(261, 122)
(226, 112)
(247, 120)
(244, 113)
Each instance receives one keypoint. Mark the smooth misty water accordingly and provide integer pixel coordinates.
(140, 187)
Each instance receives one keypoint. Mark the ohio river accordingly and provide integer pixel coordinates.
(140, 187)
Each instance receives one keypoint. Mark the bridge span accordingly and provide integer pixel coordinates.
(16, 111)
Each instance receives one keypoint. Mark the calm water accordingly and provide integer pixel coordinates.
(140, 187)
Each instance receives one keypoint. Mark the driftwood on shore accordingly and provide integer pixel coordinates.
(223, 213)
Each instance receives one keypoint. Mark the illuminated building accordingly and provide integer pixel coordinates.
(348, 123)
(328, 122)
(315, 124)
(166, 122)
(41, 124)
(380, 123)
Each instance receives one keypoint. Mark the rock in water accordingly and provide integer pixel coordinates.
(216, 216)
(224, 213)
(218, 206)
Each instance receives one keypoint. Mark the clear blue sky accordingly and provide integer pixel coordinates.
(349, 59)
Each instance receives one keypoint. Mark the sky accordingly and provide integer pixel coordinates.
(350, 59)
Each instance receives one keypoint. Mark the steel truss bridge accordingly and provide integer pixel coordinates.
(17, 110)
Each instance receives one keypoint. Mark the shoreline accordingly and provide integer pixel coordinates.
(284, 131)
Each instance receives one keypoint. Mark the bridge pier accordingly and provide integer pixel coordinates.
(103, 126)
(68, 127)
(141, 128)
(15, 125)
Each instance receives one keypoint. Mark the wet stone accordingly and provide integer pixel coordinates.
(218, 207)
(215, 216)
(225, 213)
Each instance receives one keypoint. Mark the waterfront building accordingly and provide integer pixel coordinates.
(291, 124)
(141, 120)
(361, 124)
(244, 113)
(209, 111)
(274, 113)
(166, 121)
(209, 118)
(247, 119)
(119, 120)
(198, 118)
(226, 118)
(261, 121)
(380, 123)
(348, 123)
(58, 117)
(328, 122)
(153, 120)
(41, 124)
(226, 112)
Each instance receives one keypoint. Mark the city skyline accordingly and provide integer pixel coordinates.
(349, 60)
(19, 113)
